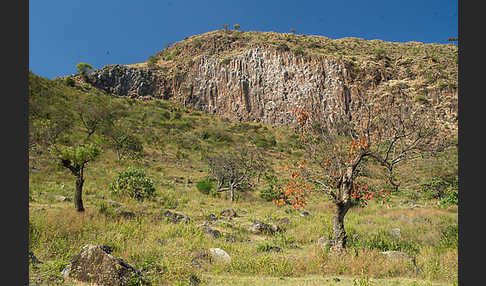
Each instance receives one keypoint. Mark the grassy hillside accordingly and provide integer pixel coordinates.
(173, 140)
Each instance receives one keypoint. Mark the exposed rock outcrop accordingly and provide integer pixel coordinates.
(243, 81)
(94, 264)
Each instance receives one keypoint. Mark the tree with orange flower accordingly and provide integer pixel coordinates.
(389, 130)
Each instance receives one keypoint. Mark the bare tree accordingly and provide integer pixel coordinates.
(389, 130)
(234, 171)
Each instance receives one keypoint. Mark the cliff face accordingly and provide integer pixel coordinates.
(256, 82)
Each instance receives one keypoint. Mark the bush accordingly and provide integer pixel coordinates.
(434, 188)
(204, 186)
(134, 183)
(273, 192)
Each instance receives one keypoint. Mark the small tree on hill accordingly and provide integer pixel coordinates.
(93, 111)
(236, 26)
(75, 159)
(124, 143)
(234, 171)
(388, 131)
(84, 69)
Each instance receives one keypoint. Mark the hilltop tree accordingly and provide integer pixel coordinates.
(390, 130)
(84, 69)
(234, 170)
(236, 26)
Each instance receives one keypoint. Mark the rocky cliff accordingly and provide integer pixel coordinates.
(263, 76)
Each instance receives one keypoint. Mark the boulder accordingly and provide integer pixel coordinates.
(94, 265)
(219, 255)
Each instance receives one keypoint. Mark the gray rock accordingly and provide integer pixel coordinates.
(212, 217)
(260, 227)
(176, 218)
(304, 213)
(285, 221)
(398, 255)
(219, 255)
(113, 203)
(228, 213)
(62, 198)
(126, 214)
(214, 233)
(395, 232)
(94, 265)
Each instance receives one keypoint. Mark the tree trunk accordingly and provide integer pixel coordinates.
(232, 193)
(78, 194)
(338, 226)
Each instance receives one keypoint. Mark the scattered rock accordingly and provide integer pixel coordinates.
(94, 265)
(212, 217)
(304, 213)
(285, 221)
(274, 248)
(176, 218)
(260, 227)
(289, 211)
(214, 233)
(33, 169)
(62, 198)
(126, 214)
(422, 220)
(113, 203)
(219, 255)
(230, 238)
(395, 232)
(228, 213)
(398, 255)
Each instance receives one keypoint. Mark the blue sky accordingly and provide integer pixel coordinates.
(63, 33)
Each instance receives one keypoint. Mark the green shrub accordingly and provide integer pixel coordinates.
(435, 188)
(204, 186)
(449, 237)
(451, 197)
(283, 47)
(134, 183)
(273, 191)
(299, 51)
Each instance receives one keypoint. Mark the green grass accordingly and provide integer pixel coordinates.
(164, 251)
